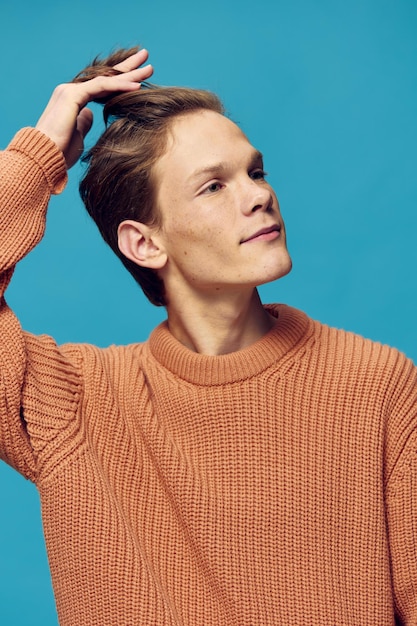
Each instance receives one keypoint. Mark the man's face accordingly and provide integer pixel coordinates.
(221, 223)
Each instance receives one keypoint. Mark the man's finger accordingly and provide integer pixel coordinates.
(132, 62)
(84, 121)
(101, 86)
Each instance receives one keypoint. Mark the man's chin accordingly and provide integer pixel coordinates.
(282, 270)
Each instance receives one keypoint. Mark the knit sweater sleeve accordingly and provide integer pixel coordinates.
(401, 492)
(33, 371)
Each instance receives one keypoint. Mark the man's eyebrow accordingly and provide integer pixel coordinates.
(257, 156)
(222, 166)
(213, 168)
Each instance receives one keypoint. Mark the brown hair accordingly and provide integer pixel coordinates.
(118, 182)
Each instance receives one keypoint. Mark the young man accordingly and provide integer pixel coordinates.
(245, 465)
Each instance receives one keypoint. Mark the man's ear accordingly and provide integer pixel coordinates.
(140, 243)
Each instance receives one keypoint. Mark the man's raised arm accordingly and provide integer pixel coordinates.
(31, 169)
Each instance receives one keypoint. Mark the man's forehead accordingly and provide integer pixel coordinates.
(252, 158)
(185, 128)
(201, 142)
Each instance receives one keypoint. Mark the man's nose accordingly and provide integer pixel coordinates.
(259, 198)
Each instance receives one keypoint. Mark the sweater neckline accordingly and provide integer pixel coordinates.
(290, 330)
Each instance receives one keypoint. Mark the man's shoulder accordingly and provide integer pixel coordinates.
(113, 353)
(346, 344)
(82, 356)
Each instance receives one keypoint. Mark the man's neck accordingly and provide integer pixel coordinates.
(219, 327)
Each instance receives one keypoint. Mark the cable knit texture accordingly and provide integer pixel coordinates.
(275, 485)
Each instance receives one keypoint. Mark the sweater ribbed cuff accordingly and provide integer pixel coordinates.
(41, 149)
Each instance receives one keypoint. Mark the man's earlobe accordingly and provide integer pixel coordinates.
(140, 243)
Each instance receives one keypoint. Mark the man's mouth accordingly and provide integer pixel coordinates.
(264, 234)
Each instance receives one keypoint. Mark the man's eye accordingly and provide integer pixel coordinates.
(213, 187)
(258, 175)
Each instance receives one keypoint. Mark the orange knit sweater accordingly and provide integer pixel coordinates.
(272, 486)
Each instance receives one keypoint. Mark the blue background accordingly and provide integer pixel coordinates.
(326, 89)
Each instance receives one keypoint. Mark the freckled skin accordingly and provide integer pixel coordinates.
(204, 220)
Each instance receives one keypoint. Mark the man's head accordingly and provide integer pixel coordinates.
(220, 229)
(160, 147)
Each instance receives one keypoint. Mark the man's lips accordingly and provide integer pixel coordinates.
(264, 234)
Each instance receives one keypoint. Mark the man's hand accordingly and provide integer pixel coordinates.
(66, 120)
